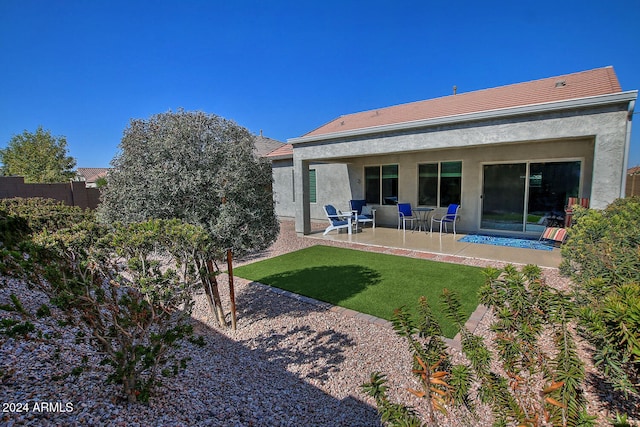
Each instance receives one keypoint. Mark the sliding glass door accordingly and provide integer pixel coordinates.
(503, 196)
(550, 185)
(527, 196)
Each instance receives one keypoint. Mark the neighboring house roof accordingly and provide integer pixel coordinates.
(92, 174)
(634, 171)
(283, 152)
(600, 81)
(264, 145)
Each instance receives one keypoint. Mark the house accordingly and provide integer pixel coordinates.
(91, 176)
(510, 155)
(264, 145)
(283, 183)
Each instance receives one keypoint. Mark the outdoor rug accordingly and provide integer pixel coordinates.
(506, 241)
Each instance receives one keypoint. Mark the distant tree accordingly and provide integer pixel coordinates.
(101, 182)
(39, 157)
(199, 168)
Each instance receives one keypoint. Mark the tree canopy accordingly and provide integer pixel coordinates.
(196, 167)
(39, 157)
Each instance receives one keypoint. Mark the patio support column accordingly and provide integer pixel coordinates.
(627, 145)
(609, 152)
(301, 193)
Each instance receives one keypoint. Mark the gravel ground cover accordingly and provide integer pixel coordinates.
(289, 363)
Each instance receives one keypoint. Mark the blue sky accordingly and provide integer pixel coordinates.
(83, 69)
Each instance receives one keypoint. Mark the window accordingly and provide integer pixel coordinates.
(372, 184)
(439, 184)
(381, 184)
(312, 186)
(428, 184)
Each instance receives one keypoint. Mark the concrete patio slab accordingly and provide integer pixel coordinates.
(445, 247)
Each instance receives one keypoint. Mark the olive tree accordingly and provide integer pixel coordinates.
(199, 168)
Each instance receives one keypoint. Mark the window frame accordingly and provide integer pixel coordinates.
(439, 164)
(381, 187)
(313, 186)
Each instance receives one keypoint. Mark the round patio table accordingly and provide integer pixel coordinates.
(423, 216)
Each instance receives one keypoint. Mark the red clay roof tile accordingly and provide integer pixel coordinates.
(284, 150)
(600, 81)
(92, 174)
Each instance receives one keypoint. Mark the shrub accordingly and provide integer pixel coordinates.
(132, 285)
(604, 244)
(44, 215)
(526, 310)
(441, 382)
(602, 255)
(13, 229)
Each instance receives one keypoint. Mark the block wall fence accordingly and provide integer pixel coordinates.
(72, 193)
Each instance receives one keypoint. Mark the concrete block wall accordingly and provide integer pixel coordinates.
(73, 193)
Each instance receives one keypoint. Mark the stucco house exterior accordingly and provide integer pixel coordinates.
(510, 156)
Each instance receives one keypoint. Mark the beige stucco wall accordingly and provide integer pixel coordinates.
(472, 159)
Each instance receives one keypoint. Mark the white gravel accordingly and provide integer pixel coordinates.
(289, 363)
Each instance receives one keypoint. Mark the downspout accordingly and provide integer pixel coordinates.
(627, 146)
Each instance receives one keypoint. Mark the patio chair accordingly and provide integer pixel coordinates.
(362, 212)
(556, 234)
(451, 216)
(568, 210)
(337, 220)
(405, 213)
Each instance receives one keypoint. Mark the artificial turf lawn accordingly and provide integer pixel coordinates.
(368, 282)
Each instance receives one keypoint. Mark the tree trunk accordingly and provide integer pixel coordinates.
(232, 292)
(211, 287)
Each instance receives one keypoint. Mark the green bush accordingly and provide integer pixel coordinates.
(604, 244)
(132, 286)
(526, 312)
(602, 255)
(43, 214)
(13, 229)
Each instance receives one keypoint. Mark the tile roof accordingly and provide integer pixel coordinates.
(285, 151)
(92, 174)
(600, 81)
(264, 145)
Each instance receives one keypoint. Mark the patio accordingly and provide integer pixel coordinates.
(447, 245)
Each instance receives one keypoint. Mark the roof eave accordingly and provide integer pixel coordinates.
(280, 157)
(592, 101)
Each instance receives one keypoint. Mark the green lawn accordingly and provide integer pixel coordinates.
(368, 282)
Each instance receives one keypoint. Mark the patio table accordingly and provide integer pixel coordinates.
(423, 216)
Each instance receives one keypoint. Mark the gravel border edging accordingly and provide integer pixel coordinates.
(471, 324)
